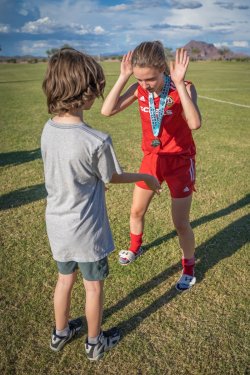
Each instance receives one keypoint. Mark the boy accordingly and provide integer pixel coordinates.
(78, 161)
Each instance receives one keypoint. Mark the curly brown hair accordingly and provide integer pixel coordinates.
(71, 79)
(150, 54)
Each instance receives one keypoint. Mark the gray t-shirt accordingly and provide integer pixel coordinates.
(78, 161)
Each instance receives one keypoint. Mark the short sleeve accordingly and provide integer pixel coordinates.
(106, 163)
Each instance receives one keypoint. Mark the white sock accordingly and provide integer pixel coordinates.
(93, 340)
(63, 332)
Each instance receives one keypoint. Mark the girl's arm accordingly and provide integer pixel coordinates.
(188, 95)
(115, 102)
(196, 119)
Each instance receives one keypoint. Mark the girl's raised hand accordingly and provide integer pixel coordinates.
(126, 65)
(179, 67)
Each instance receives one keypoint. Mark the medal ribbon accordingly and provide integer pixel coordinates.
(157, 118)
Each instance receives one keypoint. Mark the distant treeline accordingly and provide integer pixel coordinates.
(196, 54)
(35, 60)
(16, 60)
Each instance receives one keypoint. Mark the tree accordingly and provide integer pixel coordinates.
(169, 53)
(223, 51)
(51, 51)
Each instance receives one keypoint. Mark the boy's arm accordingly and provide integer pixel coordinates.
(107, 168)
(124, 178)
(115, 102)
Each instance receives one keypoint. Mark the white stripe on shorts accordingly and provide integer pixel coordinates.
(191, 170)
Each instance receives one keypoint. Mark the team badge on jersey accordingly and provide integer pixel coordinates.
(170, 101)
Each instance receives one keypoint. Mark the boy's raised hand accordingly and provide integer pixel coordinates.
(126, 65)
(179, 67)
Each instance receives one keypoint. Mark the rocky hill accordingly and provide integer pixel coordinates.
(207, 51)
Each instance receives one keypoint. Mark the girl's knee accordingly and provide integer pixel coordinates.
(182, 226)
(137, 213)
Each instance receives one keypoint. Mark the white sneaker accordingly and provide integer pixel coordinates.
(127, 256)
(185, 282)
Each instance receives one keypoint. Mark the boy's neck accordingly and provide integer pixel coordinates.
(72, 117)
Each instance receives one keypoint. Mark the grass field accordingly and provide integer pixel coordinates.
(201, 332)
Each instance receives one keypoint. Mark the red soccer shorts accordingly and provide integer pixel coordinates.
(177, 171)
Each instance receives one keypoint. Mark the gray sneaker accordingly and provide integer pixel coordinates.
(58, 342)
(185, 282)
(107, 340)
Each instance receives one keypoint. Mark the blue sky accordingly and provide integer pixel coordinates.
(99, 27)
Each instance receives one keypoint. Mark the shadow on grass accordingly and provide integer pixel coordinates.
(19, 157)
(202, 220)
(224, 244)
(22, 81)
(22, 196)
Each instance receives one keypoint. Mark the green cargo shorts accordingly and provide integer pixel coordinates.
(91, 271)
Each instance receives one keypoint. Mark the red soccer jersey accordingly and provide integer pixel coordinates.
(175, 135)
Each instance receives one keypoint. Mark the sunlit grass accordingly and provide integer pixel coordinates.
(200, 332)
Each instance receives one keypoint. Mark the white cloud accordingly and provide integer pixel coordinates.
(128, 38)
(236, 43)
(48, 26)
(99, 30)
(240, 43)
(118, 7)
(221, 28)
(42, 44)
(27, 47)
(221, 45)
(23, 12)
(83, 30)
(79, 29)
(4, 28)
(73, 11)
(128, 22)
(39, 47)
(216, 26)
(42, 25)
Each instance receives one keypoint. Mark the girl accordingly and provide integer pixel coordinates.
(169, 113)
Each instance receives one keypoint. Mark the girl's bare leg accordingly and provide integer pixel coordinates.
(141, 201)
(180, 214)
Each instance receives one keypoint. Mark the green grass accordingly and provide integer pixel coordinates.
(204, 331)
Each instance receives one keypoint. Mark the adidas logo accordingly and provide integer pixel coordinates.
(185, 190)
(142, 98)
